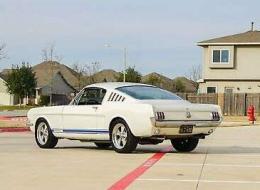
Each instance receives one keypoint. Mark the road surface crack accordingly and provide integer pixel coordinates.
(201, 170)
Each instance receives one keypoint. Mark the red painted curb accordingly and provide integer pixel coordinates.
(124, 182)
(13, 118)
(14, 129)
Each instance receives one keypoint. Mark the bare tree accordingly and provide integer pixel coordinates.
(49, 54)
(195, 73)
(94, 67)
(86, 73)
(91, 70)
(80, 73)
(2, 52)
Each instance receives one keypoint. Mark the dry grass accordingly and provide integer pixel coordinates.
(12, 124)
(12, 108)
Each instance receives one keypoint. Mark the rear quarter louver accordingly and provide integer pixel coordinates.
(114, 97)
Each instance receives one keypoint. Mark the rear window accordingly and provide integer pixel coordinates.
(148, 93)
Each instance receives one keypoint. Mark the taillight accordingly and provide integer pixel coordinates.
(215, 116)
(159, 116)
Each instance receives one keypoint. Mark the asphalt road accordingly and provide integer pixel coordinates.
(228, 159)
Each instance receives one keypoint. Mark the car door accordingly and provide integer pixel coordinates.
(81, 116)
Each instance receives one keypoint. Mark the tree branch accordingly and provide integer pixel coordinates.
(2, 53)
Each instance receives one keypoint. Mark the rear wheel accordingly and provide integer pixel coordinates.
(185, 144)
(123, 141)
(102, 145)
(43, 135)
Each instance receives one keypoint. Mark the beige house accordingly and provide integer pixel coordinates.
(57, 88)
(56, 81)
(231, 64)
(5, 98)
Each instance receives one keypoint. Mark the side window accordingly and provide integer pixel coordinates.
(76, 99)
(92, 96)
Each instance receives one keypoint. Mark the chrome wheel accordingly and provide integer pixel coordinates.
(42, 133)
(119, 136)
(122, 139)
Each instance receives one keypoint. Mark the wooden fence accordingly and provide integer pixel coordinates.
(231, 104)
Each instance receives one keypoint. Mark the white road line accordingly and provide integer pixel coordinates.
(241, 155)
(224, 154)
(201, 181)
(213, 165)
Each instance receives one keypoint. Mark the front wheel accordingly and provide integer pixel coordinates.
(43, 135)
(123, 141)
(184, 144)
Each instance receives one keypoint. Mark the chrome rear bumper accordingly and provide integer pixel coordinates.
(178, 123)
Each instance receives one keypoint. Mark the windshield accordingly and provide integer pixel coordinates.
(148, 93)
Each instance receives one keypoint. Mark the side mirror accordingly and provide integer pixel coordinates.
(72, 94)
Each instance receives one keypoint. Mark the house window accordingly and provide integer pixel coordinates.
(220, 56)
(211, 90)
(216, 56)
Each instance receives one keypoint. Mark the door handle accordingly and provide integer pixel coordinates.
(95, 107)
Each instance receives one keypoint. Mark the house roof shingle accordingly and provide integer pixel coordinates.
(246, 38)
(58, 74)
(46, 70)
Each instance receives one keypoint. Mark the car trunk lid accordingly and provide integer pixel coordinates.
(181, 110)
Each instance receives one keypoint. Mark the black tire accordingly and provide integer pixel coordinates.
(50, 141)
(102, 145)
(184, 144)
(130, 140)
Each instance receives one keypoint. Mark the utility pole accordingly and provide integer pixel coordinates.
(125, 64)
(51, 81)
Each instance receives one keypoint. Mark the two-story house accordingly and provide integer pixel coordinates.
(231, 64)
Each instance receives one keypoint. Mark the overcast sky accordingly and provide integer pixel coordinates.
(160, 35)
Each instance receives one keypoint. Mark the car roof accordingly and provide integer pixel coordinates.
(114, 85)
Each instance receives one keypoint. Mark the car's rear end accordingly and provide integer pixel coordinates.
(172, 118)
(181, 118)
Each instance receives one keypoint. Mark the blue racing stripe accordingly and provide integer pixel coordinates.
(85, 131)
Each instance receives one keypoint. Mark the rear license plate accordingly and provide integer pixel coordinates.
(186, 129)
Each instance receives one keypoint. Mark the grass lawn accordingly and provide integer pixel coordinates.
(11, 108)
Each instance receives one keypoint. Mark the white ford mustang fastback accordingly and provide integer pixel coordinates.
(122, 115)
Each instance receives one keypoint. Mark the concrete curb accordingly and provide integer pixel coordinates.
(14, 129)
